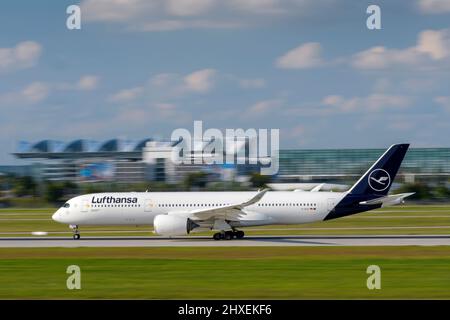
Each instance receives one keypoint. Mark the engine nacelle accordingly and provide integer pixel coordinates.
(171, 225)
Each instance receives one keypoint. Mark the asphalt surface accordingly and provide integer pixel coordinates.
(249, 241)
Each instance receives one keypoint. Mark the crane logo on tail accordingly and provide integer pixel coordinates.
(379, 180)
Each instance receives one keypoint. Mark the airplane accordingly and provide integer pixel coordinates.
(180, 213)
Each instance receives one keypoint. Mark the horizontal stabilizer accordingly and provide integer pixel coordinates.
(388, 200)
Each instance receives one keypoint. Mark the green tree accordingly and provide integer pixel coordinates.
(25, 186)
(69, 188)
(422, 191)
(54, 192)
(442, 192)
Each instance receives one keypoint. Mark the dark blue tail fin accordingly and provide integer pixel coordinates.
(375, 183)
(378, 179)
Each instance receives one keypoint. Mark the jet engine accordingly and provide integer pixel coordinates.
(171, 225)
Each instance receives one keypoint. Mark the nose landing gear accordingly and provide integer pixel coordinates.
(76, 233)
(229, 235)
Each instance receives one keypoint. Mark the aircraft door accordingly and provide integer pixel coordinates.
(149, 205)
(85, 205)
(331, 203)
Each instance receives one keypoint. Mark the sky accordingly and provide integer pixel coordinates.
(143, 68)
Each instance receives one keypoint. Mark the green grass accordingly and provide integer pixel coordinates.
(27, 210)
(236, 273)
(414, 219)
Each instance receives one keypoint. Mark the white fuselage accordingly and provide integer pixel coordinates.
(140, 208)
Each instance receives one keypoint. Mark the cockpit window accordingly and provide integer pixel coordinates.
(66, 205)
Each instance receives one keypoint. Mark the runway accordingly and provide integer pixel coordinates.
(250, 241)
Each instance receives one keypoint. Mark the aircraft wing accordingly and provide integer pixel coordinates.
(231, 212)
(388, 200)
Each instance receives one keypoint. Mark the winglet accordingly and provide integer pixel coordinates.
(255, 199)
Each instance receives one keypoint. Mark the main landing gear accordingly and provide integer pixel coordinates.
(76, 233)
(229, 235)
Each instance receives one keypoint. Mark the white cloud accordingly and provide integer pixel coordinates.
(435, 43)
(88, 82)
(127, 94)
(162, 25)
(23, 55)
(167, 15)
(115, 10)
(173, 24)
(168, 86)
(373, 102)
(32, 93)
(264, 106)
(304, 56)
(258, 6)
(188, 7)
(85, 83)
(35, 92)
(434, 6)
(432, 46)
(38, 91)
(431, 51)
(200, 81)
(444, 102)
(174, 86)
(381, 57)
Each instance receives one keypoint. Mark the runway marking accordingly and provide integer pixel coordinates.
(202, 241)
(349, 228)
(247, 229)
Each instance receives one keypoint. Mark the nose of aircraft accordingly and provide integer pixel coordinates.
(57, 216)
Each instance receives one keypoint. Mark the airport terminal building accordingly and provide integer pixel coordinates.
(150, 160)
(338, 164)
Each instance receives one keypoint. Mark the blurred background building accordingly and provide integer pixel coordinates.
(119, 160)
(424, 164)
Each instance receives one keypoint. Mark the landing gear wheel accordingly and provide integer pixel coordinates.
(239, 234)
(76, 234)
(228, 235)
